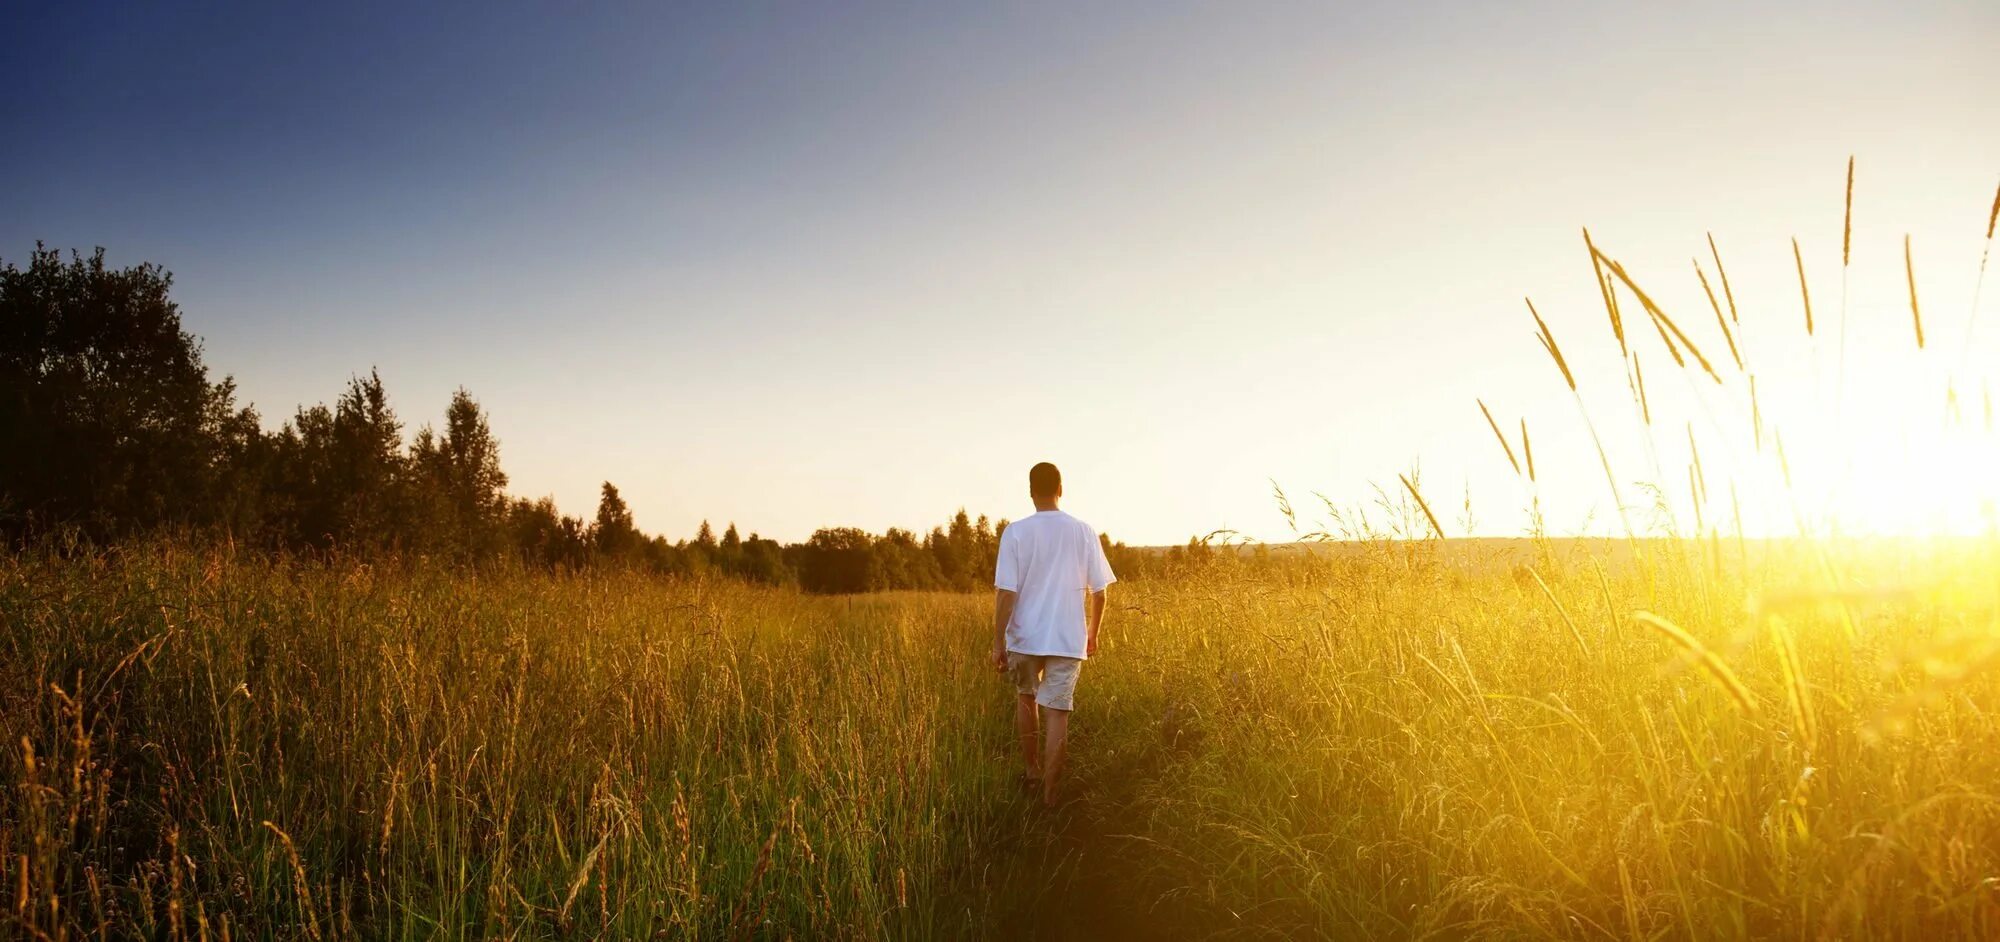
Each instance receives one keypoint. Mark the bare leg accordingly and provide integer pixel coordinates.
(1024, 724)
(1055, 724)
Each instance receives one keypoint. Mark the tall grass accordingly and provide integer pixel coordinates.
(1394, 747)
(1385, 739)
(201, 746)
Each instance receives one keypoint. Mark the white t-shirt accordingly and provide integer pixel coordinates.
(1051, 559)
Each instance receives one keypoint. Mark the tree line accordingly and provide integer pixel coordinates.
(111, 427)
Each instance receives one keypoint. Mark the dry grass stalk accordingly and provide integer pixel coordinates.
(1695, 452)
(1797, 696)
(300, 884)
(1568, 622)
(1660, 318)
(1608, 293)
(1668, 341)
(1509, 449)
(1993, 216)
(1847, 220)
(1804, 293)
(1756, 416)
(1721, 273)
(1727, 334)
(1639, 377)
(1694, 497)
(1527, 450)
(1910, 271)
(1979, 283)
(1703, 658)
(1423, 505)
(1548, 340)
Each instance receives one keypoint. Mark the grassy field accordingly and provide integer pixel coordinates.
(1392, 742)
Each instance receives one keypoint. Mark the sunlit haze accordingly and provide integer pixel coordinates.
(800, 266)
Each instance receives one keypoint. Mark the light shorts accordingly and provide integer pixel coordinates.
(1049, 678)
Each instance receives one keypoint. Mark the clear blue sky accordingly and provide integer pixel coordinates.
(799, 265)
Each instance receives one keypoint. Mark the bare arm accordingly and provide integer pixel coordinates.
(1097, 600)
(1003, 612)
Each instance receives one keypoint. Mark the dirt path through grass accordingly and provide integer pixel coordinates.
(1085, 870)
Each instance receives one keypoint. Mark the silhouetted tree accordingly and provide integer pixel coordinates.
(613, 534)
(545, 538)
(764, 561)
(837, 559)
(108, 421)
(369, 470)
(460, 477)
(107, 418)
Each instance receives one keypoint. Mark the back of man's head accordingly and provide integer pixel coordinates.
(1044, 481)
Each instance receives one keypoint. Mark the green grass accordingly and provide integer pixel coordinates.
(1395, 742)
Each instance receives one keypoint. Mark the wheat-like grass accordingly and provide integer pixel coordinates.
(1660, 318)
(1711, 666)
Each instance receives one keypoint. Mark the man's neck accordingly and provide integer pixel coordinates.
(1043, 506)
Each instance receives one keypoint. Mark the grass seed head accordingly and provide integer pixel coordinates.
(1704, 658)
(1847, 220)
(1549, 343)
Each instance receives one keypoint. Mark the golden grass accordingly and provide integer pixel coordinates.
(1378, 740)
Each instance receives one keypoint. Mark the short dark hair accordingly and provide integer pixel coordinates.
(1044, 480)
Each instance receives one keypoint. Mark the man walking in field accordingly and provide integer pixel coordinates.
(1042, 628)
